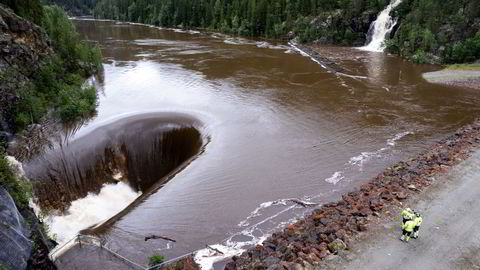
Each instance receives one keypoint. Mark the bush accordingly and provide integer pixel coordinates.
(77, 55)
(19, 189)
(57, 85)
(55, 88)
(467, 51)
(155, 259)
(442, 28)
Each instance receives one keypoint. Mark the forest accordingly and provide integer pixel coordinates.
(337, 21)
(428, 31)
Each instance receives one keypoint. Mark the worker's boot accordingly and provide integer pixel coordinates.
(402, 238)
(415, 235)
(407, 238)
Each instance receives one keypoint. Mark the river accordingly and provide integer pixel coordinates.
(278, 124)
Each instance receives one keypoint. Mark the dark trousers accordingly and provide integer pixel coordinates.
(416, 228)
(405, 233)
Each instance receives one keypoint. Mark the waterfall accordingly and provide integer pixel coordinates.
(380, 28)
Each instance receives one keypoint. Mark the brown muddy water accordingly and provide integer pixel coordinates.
(278, 126)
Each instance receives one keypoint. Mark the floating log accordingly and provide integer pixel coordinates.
(159, 237)
(302, 203)
(214, 249)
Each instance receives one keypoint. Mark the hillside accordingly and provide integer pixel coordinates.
(427, 31)
(43, 66)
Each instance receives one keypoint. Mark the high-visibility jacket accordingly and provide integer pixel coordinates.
(418, 221)
(409, 225)
(407, 214)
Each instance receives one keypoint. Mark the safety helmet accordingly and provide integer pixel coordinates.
(417, 214)
(409, 210)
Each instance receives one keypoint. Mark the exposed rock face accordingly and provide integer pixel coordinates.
(329, 24)
(330, 229)
(15, 245)
(23, 47)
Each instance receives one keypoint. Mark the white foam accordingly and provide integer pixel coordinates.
(255, 213)
(358, 161)
(335, 178)
(16, 166)
(381, 27)
(90, 210)
(207, 257)
(397, 137)
(363, 157)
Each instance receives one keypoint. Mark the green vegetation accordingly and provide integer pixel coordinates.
(155, 259)
(265, 18)
(19, 189)
(464, 67)
(428, 30)
(29, 9)
(448, 29)
(58, 84)
(74, 7)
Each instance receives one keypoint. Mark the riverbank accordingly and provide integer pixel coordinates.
(447, 236)
(337, 226)
(456, 75)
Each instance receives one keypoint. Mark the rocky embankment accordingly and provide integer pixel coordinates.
(333, 227)
(23, 48)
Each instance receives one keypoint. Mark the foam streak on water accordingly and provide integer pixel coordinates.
(358, 161)
(207, 257)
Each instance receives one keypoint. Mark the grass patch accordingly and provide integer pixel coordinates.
(464, 67)
(155, 259)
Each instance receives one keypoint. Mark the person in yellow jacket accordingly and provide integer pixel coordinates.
(407, 230)
(407, 214)
(418, 221)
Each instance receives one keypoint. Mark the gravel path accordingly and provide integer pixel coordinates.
(449, 237)
(463, 78)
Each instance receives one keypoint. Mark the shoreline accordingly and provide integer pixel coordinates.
(455, 77)
(335, 226)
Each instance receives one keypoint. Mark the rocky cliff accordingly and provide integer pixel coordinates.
(23, 48)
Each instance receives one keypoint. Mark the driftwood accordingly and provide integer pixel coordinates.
(214, 249)
(159, 237)
(302, 203)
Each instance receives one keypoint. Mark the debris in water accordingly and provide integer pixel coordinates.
(217, 252)
(153, 236)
